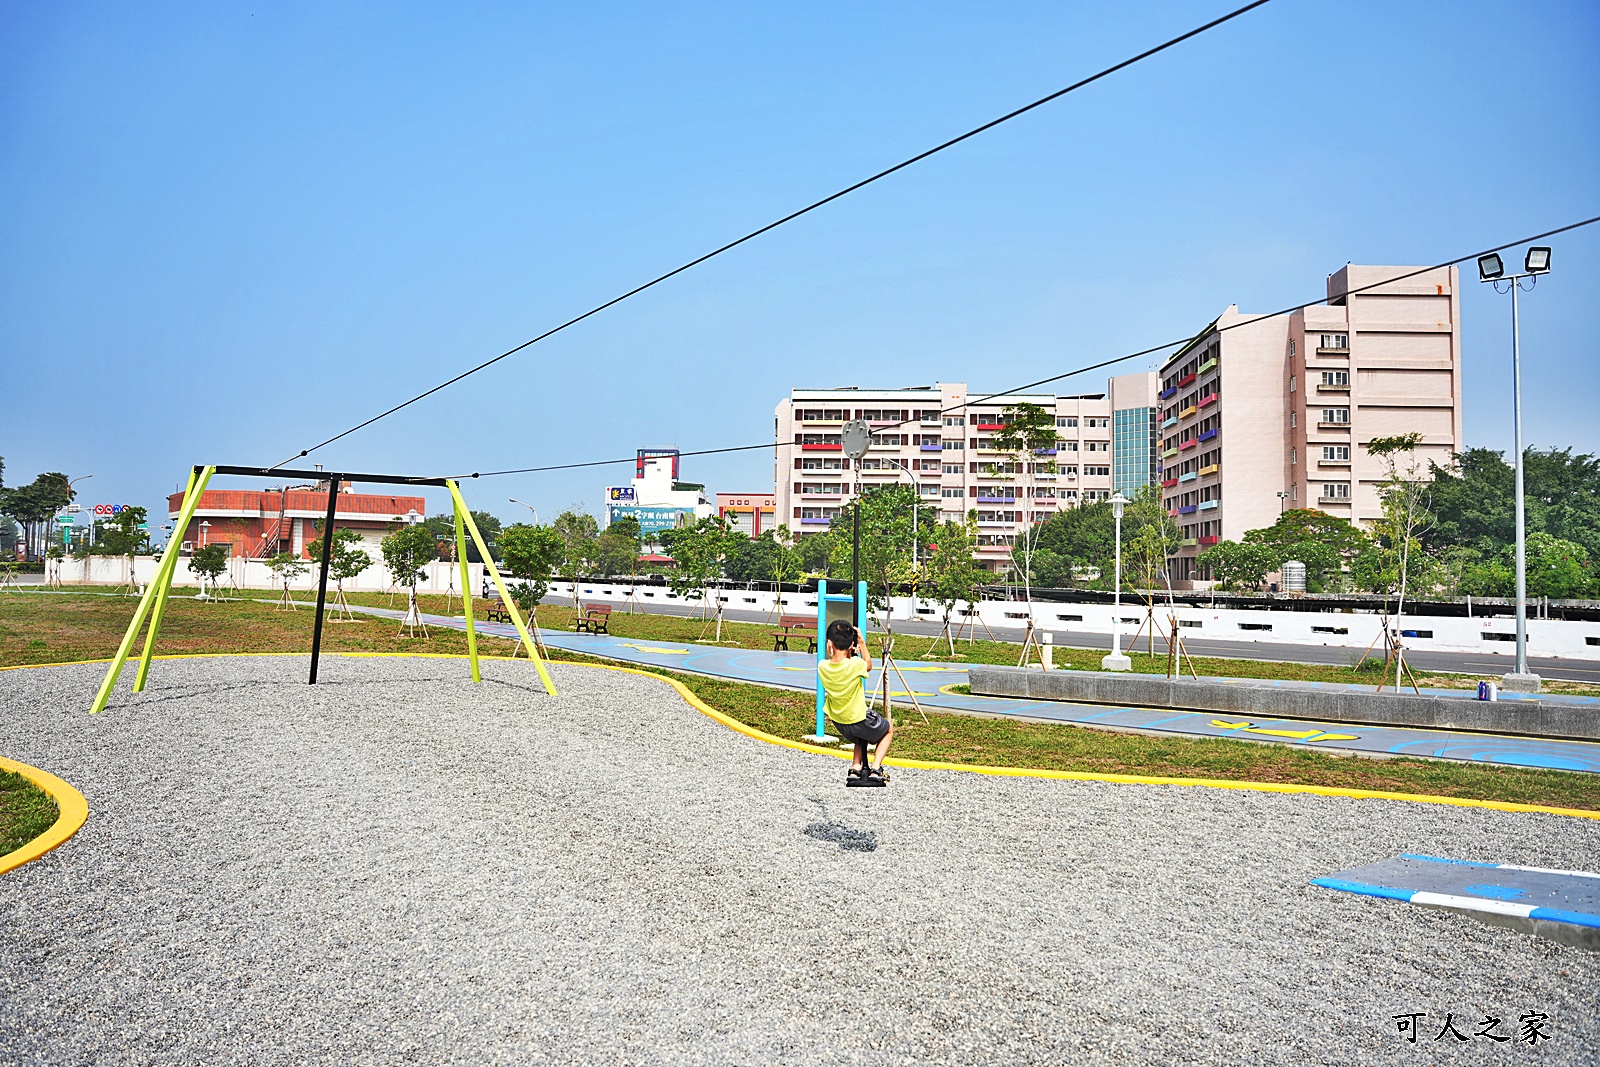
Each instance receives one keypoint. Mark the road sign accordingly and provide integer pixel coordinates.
(857, 438)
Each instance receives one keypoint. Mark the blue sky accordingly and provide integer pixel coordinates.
(228, 231)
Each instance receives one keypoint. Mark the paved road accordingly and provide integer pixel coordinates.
(1332, 655)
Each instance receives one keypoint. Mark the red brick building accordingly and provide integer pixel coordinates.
(260, 523)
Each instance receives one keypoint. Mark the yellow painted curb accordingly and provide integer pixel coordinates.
(72, 810)
(1003, 772)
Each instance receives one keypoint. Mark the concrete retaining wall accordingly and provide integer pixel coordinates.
(1530, 718)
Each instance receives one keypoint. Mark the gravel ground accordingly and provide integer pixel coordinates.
(398, 866)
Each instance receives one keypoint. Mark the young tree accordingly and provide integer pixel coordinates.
(698, 552)
(578, 532)
(812, 553)
(951, 576)
(1029, 434)
(348, 561)
(531, 555)
(209, 562)
(1404, 495)
(287, 566)
(407, 553)
(443, 529)
(1238, 566)
(886, 541)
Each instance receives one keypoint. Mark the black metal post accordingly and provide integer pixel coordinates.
(855, 552)
(322, 577)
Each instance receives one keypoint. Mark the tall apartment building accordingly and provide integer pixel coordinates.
(936, 438)
(1305, 392)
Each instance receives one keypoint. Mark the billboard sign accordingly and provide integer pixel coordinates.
(621, 494)
(651, 520)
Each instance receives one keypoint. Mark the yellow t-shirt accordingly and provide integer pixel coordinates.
(843, 689)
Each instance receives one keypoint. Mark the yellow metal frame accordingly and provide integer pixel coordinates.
(464, 517)
(154, 601)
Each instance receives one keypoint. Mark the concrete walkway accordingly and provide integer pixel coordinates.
(932, 683)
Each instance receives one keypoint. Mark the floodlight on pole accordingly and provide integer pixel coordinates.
(1536, 263)
(1116, 661)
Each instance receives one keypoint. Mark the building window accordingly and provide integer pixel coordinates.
(1336, 490)
(1291, 348)
(1336, 453)
(1293, 419)
(1338, 341)
(953, 446)
(1294, 491)
(1064, 422)
(1338, 379)
(1294, 456)
(1336, 416)
(1293, 383)
(1096, 423)
(954, 420)
(951, 493)
(1094, 471)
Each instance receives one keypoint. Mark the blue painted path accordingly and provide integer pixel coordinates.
(1492, 888)
(931, 682)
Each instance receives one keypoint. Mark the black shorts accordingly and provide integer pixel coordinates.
(868, 731)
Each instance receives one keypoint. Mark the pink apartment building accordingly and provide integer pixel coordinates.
(940, 439)
(1305, 391)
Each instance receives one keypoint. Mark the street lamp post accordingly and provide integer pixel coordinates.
(529, 506)
(205, 536)
(916, 506)
(1492, 270)
(1117, 661)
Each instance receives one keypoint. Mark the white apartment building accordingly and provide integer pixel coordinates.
(1305, 392)
(940, 439)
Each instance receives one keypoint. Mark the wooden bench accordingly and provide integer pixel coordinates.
(794, 626)
(595, 619)
(496, 611)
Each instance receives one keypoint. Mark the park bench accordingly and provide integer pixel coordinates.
(794, 626)
(496, 611)
(596, 619)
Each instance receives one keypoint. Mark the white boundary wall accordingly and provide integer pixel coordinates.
(254, 574)
(1546, 637)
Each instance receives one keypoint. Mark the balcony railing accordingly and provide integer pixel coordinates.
(995, 499)
(1169, 393)
(1211, 399)
(1207, 365)
(1213, 539)
(1325, 388)
(1191, 476)
(814, 521)
(1207, 505)
(1185, 380)
(821, 446)
(935, 447)
(1190, 443)
(1190, 510)
(1188, 542)
(1169, 453)
(1190, 410)
(1208, 435)
(1169, 423)
(1210, 468)
(1169, 483)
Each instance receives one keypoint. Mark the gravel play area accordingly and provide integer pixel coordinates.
(398, 866)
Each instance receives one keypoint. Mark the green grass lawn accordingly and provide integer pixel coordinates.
(38, 628)
(26, 811)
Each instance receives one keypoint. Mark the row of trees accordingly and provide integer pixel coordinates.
(33, 507)
(1446, 531)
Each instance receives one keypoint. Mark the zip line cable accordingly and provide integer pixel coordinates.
(1079, 370)
(787, 218)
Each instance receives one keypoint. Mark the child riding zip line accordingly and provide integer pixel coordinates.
(843, 676)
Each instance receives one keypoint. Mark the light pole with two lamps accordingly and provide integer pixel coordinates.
(1491, 269)
(1116, 661)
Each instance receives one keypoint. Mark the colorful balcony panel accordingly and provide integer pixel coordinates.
(932, 448)
(1169, 453)
(815, 522)
(1207, 365)
(989, 425)
(1190, 510)
(1208, 435)
(1170, 423)
(1212, 399)
(1190, 443)
(1207, 505)
(821, 448)
(1188, 477)
(1168, 394)
(1186, 412)
(1185, 380)
(1169, 483)
(1213, 539)
(1186, 542)
(1210, 469)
